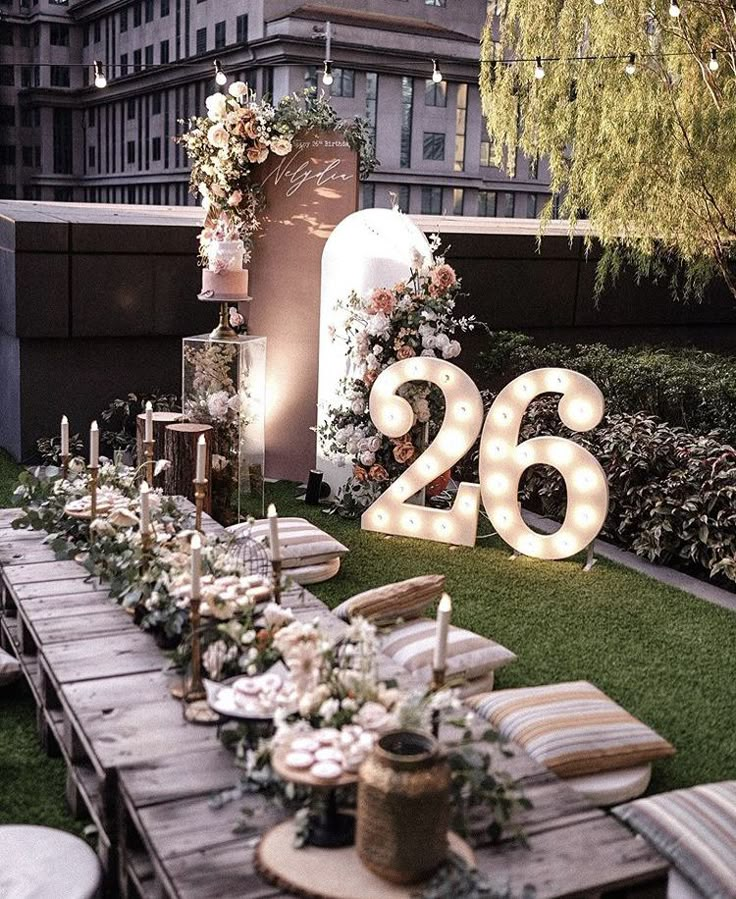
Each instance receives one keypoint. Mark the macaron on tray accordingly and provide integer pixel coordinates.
(253, 697)
(108, 498)
(325, 755)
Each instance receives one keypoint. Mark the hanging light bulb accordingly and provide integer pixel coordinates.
(327, 73)
(631, 64)
(539, 69)
(598, 2)
(713, 61)
(220, 76)
(436, 73)
(100, 80)
(675, 9)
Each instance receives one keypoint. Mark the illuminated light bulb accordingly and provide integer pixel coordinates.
(584, 479)
(461, 410)
(415, 370)
(525, 454)
(327, 73)
(560, 453)
(530, 544)
(564, 543)
(675, 9)
(467, 505)
(497, 483)
(220, 76)
(100, 80)
(598, 2)
(713, 61)
(446, 377)
(539, 69)
(631, 64)
(584, 515)
(556, 381)
(504, 516)
(401, 490)
(380, 517)
(436, 73)
(442, 527)
(428, 466)
(449, 440)
(582, 411)
(497, 450)
(503, 415)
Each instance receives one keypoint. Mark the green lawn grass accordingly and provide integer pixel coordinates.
(668, 657)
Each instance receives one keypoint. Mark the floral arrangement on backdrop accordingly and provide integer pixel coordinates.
(415, 317)
(238, 134)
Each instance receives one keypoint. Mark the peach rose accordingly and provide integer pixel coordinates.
(377, 473)
(400, 287)
(404, 452)
(405, 352)
(217, 136)
(381, 300)
(259, 153)
(250, 129)
(442, 278)
(370, 376)
(236, 198)
(359, 473)
(281, 146)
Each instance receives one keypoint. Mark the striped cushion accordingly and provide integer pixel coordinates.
(572, 728)
(469, 655)
(695, 829)
(383, 605)
(302, 543)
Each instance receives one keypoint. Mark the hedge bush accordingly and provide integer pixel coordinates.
(690, 388)
(672, 493)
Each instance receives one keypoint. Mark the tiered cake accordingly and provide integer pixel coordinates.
(225, 279)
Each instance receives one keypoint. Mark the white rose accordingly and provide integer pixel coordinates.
(442, 341)
(329, 708)
(216, 106)
(377, 349)
(427, 352)
(217, 404)
(281, 146)
(358, 406)
(234, 403)
(217, 136)
(367, 459)
(238, 89)
(421, 410)
(451, 350)
(374, 444)
(378, 324)
(372, 716)
(277, 616)
(351, 447)
(429, 341)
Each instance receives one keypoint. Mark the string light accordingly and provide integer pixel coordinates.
(539, 69)
(675, 9)
(713, 61)
(436, 73)
(327, 73)
(598, 2)
(631, 64)
(100, 80)
(220, 76)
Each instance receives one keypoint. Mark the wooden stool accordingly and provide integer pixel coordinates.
(42, 863)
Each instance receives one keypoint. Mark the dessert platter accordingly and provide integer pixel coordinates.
(255, 698)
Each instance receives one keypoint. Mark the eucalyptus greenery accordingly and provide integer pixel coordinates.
(458, 880)
(647, 156)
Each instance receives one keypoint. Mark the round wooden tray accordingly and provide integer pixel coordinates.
(304, 777)
(330, 873)
(103, 509)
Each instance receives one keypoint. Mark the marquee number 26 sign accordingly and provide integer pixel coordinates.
(502, 459)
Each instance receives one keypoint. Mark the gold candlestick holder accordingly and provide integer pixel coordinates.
(147, 541)
(94, 474)
(276, 568)
(438, 682)
(195, 688)
(65, 466)
(148, 447)
(200, 491)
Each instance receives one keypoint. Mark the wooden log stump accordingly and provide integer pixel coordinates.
(160, 422)
(180, 448)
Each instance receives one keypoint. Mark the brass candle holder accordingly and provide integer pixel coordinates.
(195, 690)
(65, 466)
(147, 541)
(148, 447)
(276, 568)
(94, 474)
(200, 491)
(438, 682)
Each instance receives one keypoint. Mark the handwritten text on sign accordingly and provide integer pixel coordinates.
(502, 459)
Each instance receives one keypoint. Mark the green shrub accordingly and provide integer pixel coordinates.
(120, 417)
(690, 388)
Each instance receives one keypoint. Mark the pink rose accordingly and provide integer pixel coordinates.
(369, 377)
(441, 279)
(236, 198)
(405, 352)
(236, 319)
(259, 153)
(381, 300)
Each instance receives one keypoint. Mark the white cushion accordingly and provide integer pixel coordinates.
(679, 887)
(9, 669)
(302, 543)
(314, 574)
(610, 787)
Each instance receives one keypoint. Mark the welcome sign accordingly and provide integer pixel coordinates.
(307, 194)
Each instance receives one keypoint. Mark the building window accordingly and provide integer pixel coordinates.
(404, 197)
(268, 82)
(165, 8)
(407, 112)
(7, 154)
(7, 191)
(163, 54)
(505, 204)
(25, 37)
(91, 157)
(149, 55)
(26, 118)
(461, 123)
(431, 201)
(220, 35)
(156, 104)
(201, 40)
(62, 141)
(124, 64)
(131, 108)
(28, 157)
(343, 84)
(25, 76)
(241, 29)
(137, 60)
(60, 77)
(7, 76)
(310, 76)
(485, 147)
(487, 203)
(59, 35)
(97, 31)
(434, 145)
(37, 157)
(435, 94)
(149, 10)
(6, 36)
(123, 21)
(130, 152)
(369, 196)
(458, 201)
(7, 115)
(137, 16)
(371, 103)
(156, 149)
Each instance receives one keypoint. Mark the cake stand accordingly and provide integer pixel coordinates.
(330, 829)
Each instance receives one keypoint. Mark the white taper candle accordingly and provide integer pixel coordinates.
(94, 445)
(201, 455)
(273, 521)
(196, 545)
(149, 422)
(64, 435)
(444, 612)
(145, 508)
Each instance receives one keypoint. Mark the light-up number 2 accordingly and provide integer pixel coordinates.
(502, 461)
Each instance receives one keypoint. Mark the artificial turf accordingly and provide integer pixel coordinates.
(668, 657)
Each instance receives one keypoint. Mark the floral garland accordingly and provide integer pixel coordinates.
(413, 318)
(238, 134)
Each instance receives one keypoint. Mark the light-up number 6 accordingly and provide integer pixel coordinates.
(502, 463)
(394, 416)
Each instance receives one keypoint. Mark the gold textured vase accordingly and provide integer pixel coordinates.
(403, 807)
